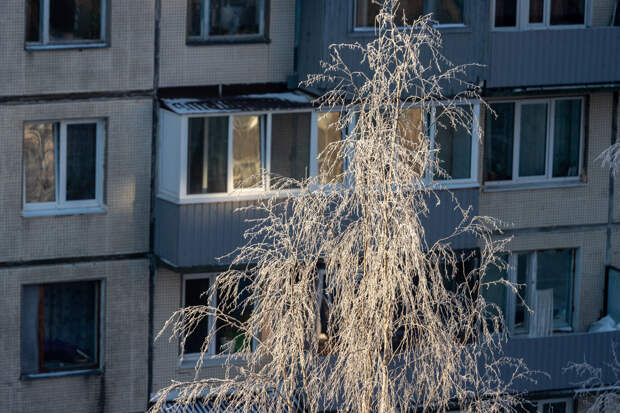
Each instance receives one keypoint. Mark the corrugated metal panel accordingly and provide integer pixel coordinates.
(166, 230)
(244, 103)
(551, 355)
(444, 218)
(554, 57)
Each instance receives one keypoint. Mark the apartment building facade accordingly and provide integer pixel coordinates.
(130, 132)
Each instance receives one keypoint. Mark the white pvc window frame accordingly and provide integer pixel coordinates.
(189, 359)
(44, 31)
(523, 15)
(205, 19)
(512, 299)
(357, 28)
(62, 206)
(550, 127)
(266, 140)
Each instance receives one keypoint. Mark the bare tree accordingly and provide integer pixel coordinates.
(353, 308)
(610, 158)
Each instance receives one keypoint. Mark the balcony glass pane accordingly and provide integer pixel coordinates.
(555, 270)
(454, 149)
(445, 11)
(412, 139)
(290, 146)
(533, 147)
(366, 11)
(247, 152)
(505, 13)
(40, 151)
(75, 20)
(81, 161)
(567, 12)
(234, 17)
(537, 8)
(499, 141)
(567, 131)
(207, 157)
(329, 148)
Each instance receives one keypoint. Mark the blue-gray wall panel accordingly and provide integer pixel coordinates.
(552, 354)
(554, 57)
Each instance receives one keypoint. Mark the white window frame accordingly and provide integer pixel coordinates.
(266, 137)
(44, 28)
(211, 356)
(567, 402)
(548, 177)
(439, 25)
(61, 206)
(205, 19)
(512, 298)
(523, 15)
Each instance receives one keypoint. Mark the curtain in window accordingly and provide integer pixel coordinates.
(555, 271)
(290, 145)
(329, 147)
(234, 17)
(247, 152)
(40, 149)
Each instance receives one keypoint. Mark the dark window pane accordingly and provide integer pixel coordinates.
(567, 11)
(194, 17)
(617, 15)
(75, 20)
(60, 327)
(505, 13)
(81, 161)
(567, 130)
(234, 17)
(33, 20)
(290, 145)
(522, 315)
(496, 293)
(230, 338)
(247, 151)
(40, 149)
(537, 8)
(194, 290)
(207, 157)
(445, 11)
(366, 11)
(555, 271)
(559, 407)
(499, 141)
(454, 149)
(533, 146)
(329, 147)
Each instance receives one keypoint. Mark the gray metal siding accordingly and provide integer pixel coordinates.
(554, 57)
(552, 354)
(195, 235)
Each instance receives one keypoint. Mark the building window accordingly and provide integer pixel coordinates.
(229, 153)
(63, 166)
(331, 160)
(225, 19)
(61, 22)
(544, 281)
(60, 328)
(532, 141)
(445, 12)
(555, 406)
(538, 13)
(228, 337)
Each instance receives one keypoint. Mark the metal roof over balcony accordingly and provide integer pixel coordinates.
(241, 103)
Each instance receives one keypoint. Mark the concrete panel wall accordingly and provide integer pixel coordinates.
(579, 205)
(183, 65)
(122, 388)
(590, 274)
(126, 64)
(123, 228)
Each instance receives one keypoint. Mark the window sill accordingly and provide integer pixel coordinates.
(532, 185)
(229, 41)
(445, 28)
(67, 211)
(73, 46)
(189, 362)
(36, 376)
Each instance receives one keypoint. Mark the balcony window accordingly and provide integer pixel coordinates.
(330, 160)
(544, 281)
(228, 153)
(534, 141)
(65, 22)
(60, 329)
(444, 11)
(63, 167)
(225, 19)
(532, 14)
(228, 338)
